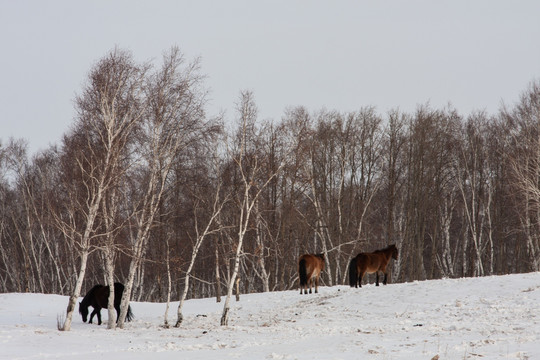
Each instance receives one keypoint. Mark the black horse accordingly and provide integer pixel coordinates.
(98, 298)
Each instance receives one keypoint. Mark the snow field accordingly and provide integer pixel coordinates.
(480, 318)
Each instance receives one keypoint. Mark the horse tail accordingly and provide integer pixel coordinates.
(353, 272)
(118, 293)
(129, 315)
(302, 272)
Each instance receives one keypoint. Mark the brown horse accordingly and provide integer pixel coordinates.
(309, 271)
(371, 263)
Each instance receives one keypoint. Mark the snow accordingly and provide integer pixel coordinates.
(476, 318)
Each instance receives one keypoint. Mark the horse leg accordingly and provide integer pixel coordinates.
(316, 285)
(95, 312)
(309, 282)
(360, 277)
(99, 317)
(117, 307)
(302, 274)
(377, 278)
(385, 277)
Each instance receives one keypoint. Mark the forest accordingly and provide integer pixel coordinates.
(148, 189)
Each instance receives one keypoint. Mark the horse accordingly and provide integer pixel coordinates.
(98, 298)
(371, 263)
(309, 270)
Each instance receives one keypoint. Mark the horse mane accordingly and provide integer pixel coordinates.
(321, 255)
(389, 247)
(90, 294)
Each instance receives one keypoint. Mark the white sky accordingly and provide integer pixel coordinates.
(335, 54)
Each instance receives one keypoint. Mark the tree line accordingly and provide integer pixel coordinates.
(146, 188)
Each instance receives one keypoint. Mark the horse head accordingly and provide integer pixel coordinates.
(394, 252)
(84, 312)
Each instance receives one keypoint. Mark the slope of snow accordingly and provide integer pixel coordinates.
(493, 318)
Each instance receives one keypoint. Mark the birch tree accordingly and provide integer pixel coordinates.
(174, 120)
(217, 204)
(108, 111)
(473, 181)
(248, 165)
(428, 168)
(394, 146)
(524, 136)
(344, 172)
(364, 170)
(109, 249)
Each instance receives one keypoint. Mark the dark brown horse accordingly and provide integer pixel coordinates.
(98, 298)
(309, 271)
(371, 263)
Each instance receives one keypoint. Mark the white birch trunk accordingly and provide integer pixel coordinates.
(323, 226)
(217, 207)
(169, 286)
(76, 292)
(232, 280)
(263, 274)
(218, 276)
(140, 245)
(109, 259)
(85, 244)
(446, 263)
(180, 316)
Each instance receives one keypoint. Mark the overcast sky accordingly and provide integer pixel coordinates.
(340, 55)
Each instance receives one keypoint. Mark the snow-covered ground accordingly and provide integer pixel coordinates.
(481, 318)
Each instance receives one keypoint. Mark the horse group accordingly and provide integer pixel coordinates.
(310, 267)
